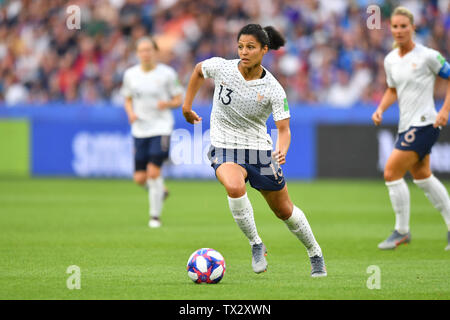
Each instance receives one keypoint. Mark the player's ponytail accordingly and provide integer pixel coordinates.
(267, 36)
(276, 40)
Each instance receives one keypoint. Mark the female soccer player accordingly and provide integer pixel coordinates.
(411, 71)
(245, 95)
(151, 90)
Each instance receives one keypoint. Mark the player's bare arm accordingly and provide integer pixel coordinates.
(132, 117)
(389, 97)
(283, 141)
(195, 82)
(442, 117)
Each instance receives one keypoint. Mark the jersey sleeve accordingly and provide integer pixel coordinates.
(125, 90)
(434, 60)
(174, 85)
(280, 106)
(389, 80)
(211, 67)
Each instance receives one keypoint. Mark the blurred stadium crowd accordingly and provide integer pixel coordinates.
(331, 56)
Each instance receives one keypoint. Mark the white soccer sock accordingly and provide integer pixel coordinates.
(437, 194)
(242, 212)
(399, 194)
(299, 226)
(155, 196)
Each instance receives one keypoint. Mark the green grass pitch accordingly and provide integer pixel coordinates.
(47, 225)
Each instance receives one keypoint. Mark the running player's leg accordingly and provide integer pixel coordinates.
(293, 217)
(155, 194)
(148, 180)
(295, 220)
(140, 178)
(232, 176)
(398, 164)
(140, 161)
(158, 152)
(433, 188)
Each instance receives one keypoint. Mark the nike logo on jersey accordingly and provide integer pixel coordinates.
(404, 144)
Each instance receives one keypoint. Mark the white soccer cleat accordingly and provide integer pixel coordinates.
(394, 240)
(154, 223)
(318, 268)
(259, 262)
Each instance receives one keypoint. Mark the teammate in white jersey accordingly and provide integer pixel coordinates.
(151, 91)
(241, 150)
(411, 71)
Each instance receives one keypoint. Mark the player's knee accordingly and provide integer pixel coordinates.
(391, 175)
(421, 174)
(140, 178)
(152, 175)
(284, 211)
(235, 190)
(283, 215)
(153, 172)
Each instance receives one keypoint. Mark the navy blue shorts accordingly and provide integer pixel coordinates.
(263, 172)
(418, 139)
(150, 150)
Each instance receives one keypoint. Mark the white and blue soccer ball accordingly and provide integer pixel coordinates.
(206, 266)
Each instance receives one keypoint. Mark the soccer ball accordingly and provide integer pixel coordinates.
(206, 266)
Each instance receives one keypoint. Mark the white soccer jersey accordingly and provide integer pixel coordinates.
(413, 76)
(147, 89)
(241, 108)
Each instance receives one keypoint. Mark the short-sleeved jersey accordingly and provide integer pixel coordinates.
(147, 89)
(413, 76)
(241, 108)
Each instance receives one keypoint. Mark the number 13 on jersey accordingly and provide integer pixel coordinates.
(226, 100)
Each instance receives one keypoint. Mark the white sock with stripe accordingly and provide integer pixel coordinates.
(438, 196)
(399, 194)
(299, 226)
(242, 212)
(155, 196)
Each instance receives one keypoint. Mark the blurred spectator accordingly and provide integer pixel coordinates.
(15, 92)
(330, 57)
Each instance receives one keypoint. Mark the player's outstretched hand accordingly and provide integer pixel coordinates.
(441, 119)
(191, 116)
(377, 117)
